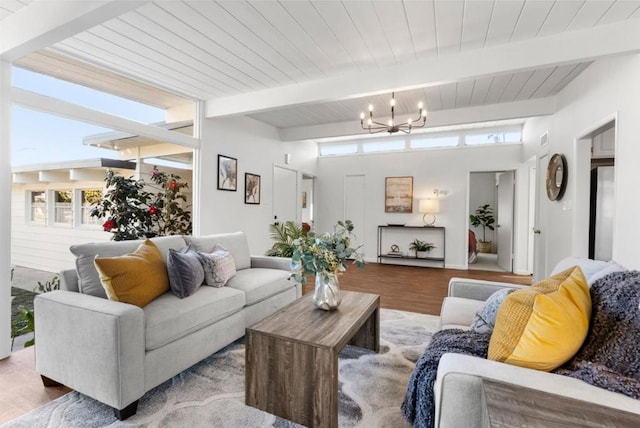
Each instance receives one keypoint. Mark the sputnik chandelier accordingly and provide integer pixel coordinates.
(392, 126)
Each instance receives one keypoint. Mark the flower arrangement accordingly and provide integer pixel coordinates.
(325, 254)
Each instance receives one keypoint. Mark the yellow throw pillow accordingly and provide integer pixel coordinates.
(541, 327)
(135, 278)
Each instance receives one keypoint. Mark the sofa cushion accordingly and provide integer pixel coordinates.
(259, 284)
(485, 318)
(186, 274)
(543, 326)
(169, 318)
(218, 265)
(88, 278)
(236, 243)
(593, 270)
(135, 278)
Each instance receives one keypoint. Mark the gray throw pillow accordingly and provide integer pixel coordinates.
(485, 318)
(219, 266)
(186, 274)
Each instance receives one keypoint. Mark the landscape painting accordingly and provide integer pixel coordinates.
(398, 195)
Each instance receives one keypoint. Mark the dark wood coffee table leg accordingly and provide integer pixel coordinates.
(368, 336)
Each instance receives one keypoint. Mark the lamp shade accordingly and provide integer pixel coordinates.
(429, 206)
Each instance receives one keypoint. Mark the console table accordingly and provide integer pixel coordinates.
(402, 236)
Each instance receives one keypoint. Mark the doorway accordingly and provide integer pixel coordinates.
(493, 190)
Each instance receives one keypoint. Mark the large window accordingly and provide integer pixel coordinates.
(87, 198)
(38, 206)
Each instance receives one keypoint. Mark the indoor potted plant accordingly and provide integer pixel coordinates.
(324, 255)
(483, 217)
(421, 248)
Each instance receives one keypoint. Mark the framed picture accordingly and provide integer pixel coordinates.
(398, 194)
(227, 173)
(251, 188)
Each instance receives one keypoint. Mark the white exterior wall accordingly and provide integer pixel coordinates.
(607, 89)
(444, 169)
(46, 247)
(257, 147)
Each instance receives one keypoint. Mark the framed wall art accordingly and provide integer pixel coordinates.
(227, 173)
(398, 194)
(251, 188)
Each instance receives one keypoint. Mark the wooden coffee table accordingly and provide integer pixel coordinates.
(292, 356)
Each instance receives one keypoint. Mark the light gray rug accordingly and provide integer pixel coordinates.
(211, 393)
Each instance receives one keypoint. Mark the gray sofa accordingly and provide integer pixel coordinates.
(459, 393)
(115, 352)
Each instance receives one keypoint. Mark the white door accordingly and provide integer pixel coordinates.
(506, 184)
(540, 244)
(285, 194)
(354, 198)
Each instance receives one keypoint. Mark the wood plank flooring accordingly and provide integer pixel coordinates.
(413, 289)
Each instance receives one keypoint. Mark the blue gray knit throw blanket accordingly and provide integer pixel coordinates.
(609, 357)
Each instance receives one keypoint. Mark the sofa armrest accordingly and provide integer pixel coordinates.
(283, 263)
(93, 345)
(460, 397)
(69, 280)
(477, 289)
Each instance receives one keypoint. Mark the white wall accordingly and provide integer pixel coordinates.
(608, 88)
(482, 190)
(445, 169)
(257, 147)
(46, 247)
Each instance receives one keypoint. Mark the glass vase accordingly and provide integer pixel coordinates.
(326, 294)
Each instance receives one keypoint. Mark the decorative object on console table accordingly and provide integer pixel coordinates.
(251, 188)
(483, 217)
(432, 237)
(227, 173)
(398, 194)
(421, 248)
(429, 206)
(324, 256)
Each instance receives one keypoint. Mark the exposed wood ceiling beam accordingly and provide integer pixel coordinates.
(501, 111)
(564, 48)
(44, 23)
(72, 111)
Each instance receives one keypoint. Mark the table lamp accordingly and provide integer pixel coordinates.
(427, 207)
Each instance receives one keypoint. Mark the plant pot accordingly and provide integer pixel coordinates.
(484, 247)
(422, 254)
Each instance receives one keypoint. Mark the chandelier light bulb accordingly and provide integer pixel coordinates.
(424, 114)
(409, 122)
(370, 107)
(370, 122)
(361, 116)
(420, 105)
(390, 122)
(393, 102)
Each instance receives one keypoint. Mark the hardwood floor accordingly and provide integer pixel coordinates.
(413, 289)
(406, 288)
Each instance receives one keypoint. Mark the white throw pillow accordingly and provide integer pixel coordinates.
(219, 266)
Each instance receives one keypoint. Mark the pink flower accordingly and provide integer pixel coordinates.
(173, 185)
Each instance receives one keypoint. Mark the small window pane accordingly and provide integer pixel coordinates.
(513, 137)
(484, 138)
(89, 197)
(341, 149)
(62, 206)
(429, 142)
(383, 146)
(38, 208)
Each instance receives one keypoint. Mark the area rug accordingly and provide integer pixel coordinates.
(211, 393)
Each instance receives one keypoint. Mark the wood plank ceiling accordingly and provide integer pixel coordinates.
(209, 49)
